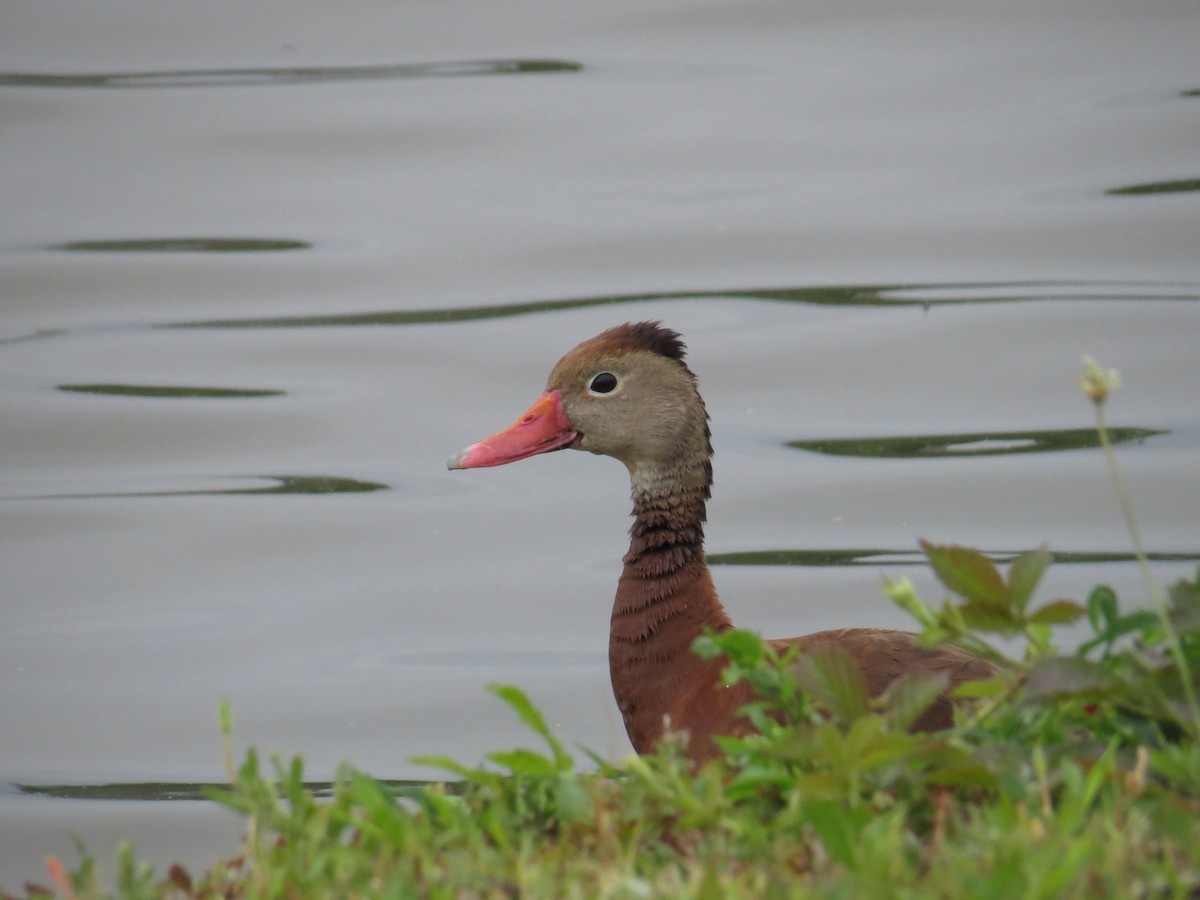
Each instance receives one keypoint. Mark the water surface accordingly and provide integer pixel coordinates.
(260, 282)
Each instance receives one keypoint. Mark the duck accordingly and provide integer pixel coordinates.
(628, 393)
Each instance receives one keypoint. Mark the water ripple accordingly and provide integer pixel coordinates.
(152, 390)
(184, 790)
(860, 556)
(1178, 186)
(983, 443)
(283, 484)
(921, 295)
(190, 78)
(185, 245)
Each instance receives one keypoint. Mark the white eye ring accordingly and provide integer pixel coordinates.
(602, 383)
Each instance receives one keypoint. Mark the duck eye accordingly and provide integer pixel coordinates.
(604, 383)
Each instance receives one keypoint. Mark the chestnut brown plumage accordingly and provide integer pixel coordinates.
(627, 393)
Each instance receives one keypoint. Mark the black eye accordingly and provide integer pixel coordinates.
(604, 383)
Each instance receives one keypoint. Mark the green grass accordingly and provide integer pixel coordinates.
(1069, 774)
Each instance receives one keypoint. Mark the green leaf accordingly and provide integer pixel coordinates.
(830, 674)
(533, 720)
(909, 696)
(758, 712)
(836, 828)
(706, 647)
(1025, 573)
(980, 616)
(872, 748)
(1179, 763)
(524, 762)
(445, 762)
(756, 776)
(984, 687)
(572, 801)
(743, 648)
(1057, 612)
(1141, 621)
(1101, 607)
(1039, 635)
(968, 573)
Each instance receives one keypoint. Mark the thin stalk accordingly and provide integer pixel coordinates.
(226, 719)
(1097, 384)
(1135, 534)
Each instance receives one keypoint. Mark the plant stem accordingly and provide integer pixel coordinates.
(1160, 604)
(1127, 508)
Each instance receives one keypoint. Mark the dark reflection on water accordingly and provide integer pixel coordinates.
(875, 557)
(185, 245)
(991, 443)
(150, 390)
(37, 335)
(923, 295)
(284, 484)
(1180, 186)
(197, 790)
(296, 75)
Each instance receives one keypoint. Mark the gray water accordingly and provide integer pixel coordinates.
(264, 267)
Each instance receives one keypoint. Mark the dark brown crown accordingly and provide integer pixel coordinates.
(645, 336)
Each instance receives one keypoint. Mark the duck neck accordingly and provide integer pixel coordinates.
(665, 599)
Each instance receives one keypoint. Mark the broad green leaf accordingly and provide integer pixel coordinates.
(909, 696)
(969, 574)
(758, 712)
(1025, 573)
(1135, 621)
(872, 748)
(980, 616)
(1142, 620)
(744, 648)
(1057, 612)
(756, 776)
(833, 678)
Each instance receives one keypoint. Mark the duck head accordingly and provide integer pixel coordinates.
(625, 393)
